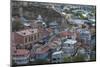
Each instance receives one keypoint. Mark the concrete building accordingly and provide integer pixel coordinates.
(21, 56)
(85, 35)
(69, 47)
(42, 53)
(57, 57)
(40, 22)
(54, 25)
(68, 35)
(26, 38)
(39, 52)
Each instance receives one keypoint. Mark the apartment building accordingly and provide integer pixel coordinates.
(21, 56)
(26, 38)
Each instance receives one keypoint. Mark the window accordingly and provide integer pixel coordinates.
(31, 38)
(54, 59)
(34, 37)
(68, 45)
(38, 35)
(58, 58)
(25, 40)
(18, 46)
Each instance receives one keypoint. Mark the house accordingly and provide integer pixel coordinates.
(27, 25)
(42, 52)
(85, 35)
(77, 21)
(68, 35)
(21, 56)
(45, 34)
(57, 57)
(40, 22)
(81, 51)
(26, 38)
(39, 52)
(69, 47)
(55, 45)
(54, 25)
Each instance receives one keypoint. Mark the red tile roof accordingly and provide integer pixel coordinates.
(63, 34)
(49, 30)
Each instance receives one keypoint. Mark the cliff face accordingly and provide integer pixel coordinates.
(32, 11)
(47, 13)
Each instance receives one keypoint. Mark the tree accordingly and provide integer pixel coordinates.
(67, 59)
(94, 48)
(82, 16)
(78, 58)
(17, 25)
(41, 61)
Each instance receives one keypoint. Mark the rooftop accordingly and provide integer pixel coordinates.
(53, 23)
(26, 24)
(65, 33)
(27, 32)
(57, 52)
(70, 41)
(92, 19)
(39, 17)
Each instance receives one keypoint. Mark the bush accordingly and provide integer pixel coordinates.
(17, 26)
(67, 59)
(78, 58)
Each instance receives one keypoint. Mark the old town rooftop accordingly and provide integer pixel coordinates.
(27, 32)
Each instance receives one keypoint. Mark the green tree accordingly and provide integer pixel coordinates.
(78, 58)
(94, 48)
(41, 61)
(67, 59)
(17, 26)
(83, 17)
